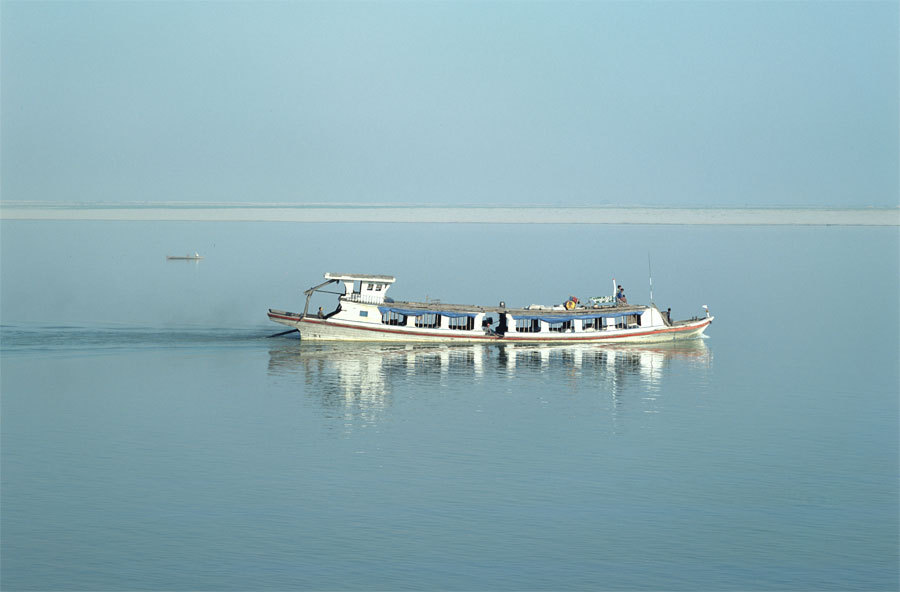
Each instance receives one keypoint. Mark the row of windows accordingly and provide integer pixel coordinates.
(433, 321)
(428, 321)
(534, 325)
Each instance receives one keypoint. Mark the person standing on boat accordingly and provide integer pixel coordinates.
(620, 296)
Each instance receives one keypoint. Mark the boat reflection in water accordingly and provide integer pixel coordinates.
(363, 378)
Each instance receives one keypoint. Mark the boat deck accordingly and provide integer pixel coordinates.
(437, 306)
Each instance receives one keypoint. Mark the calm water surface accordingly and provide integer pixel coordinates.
(153, 437)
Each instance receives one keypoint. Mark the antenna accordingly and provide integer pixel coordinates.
(650, 274)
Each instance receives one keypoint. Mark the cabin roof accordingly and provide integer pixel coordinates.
(525, 312)
(354, 277)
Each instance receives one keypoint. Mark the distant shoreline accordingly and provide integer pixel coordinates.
(430, 214)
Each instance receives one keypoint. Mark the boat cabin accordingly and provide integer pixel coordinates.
(370, 289)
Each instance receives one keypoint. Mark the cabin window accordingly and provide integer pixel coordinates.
(461, 323)
(393, 318)
(528, 326)
(378, 287)
(428, 321)
(589, 324)
(562, 327)
(369, 287)
(632, 320)
(363, 313)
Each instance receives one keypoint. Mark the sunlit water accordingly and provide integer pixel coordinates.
(155, 437)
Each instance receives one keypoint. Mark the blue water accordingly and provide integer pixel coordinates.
(154, 437)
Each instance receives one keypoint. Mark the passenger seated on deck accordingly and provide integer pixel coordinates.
(320, 314)
(486, 325)
(620, 296)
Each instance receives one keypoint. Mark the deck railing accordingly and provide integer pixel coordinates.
(357, 297)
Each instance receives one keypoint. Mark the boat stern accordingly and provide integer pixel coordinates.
(290, 319)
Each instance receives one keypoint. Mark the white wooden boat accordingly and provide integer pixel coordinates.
(364, 313)
(195, 257)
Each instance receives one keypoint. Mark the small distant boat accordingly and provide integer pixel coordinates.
(195, 257)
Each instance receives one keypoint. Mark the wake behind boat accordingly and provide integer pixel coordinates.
(364, 313)
(195, 257)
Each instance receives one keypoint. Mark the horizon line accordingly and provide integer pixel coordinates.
(399, 204)
(460, 214)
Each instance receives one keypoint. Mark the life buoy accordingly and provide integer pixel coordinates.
(570, 305)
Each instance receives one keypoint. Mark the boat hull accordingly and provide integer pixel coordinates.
(318, 329)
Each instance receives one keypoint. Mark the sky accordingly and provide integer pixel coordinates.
(459, 103)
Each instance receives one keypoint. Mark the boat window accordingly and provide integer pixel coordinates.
(461, 323)
(561, 327)
(632, 320)
(428, 321)
(528, 326)
(393, 318)
(369, 287)
(378, 287)
(363, 313)
(589, 324)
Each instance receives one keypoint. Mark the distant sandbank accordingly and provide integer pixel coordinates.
(421, 214)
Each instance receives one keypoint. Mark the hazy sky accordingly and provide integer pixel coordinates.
(580, 103)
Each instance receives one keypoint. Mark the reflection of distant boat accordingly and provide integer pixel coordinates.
(195, 257)
(364, 313)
